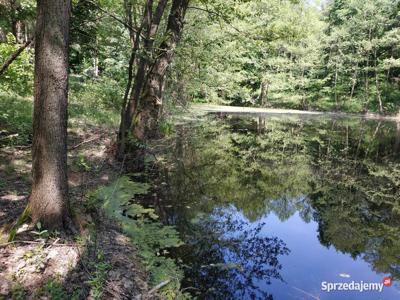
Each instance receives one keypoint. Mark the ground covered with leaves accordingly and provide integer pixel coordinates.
(98, 261)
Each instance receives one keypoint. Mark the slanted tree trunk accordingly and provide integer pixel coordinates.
(13, 57)
(135, 42)
(49, 198)
(151, 23)
(148, 108)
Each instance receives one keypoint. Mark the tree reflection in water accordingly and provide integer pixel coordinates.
(343, 174)
(229, 257)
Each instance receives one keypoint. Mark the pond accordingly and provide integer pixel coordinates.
(284, 206)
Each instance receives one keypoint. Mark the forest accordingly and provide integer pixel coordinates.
(117, 183)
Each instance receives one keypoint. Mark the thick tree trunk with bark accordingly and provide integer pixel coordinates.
(148, 108)
(150, 24)
(49, 198)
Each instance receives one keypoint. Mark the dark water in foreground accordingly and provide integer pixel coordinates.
(270, 207)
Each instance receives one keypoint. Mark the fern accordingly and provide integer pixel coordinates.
(146, 232)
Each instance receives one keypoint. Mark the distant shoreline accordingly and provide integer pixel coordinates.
(258, 110)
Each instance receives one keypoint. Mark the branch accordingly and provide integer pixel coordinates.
(14, 56)
(159, 286)
(115, 17)
(210, 12)
(85, 142)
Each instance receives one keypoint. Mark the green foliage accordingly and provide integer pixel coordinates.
(19, 222)
(81, 163)
(361, 53)
(18, 78)
(151, 237)
(54, 290)
(341, 56)
(43, 234)
(90, 102)
(18, 292)
(226, 59)
(15, 120)
(98, 278)
(94, 101)
(166, 128)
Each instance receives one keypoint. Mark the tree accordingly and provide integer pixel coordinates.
(140, 111)
(150, 24)
(48, 202)
(151, 100)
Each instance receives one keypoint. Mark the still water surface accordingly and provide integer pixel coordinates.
(272, 206)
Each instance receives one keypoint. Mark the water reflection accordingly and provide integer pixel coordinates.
(228, 257)
(231, 174)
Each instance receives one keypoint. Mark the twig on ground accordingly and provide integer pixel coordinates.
(159, 286)
(85, 142)
(35, 242)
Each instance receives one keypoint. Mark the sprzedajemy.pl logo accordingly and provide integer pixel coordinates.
(359, 286)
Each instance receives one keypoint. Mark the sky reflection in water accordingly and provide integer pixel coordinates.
(269, 208)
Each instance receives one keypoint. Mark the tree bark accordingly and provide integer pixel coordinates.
(49, 198)
(396, 147)
(146, 118)
(353, 85)
(263, 93)
(135, 41)
(151, 24)
(378, 91)
(14, 56)
(336, 91)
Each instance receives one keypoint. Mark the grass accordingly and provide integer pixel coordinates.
(87, 106)
(99, 276)
(15, 120)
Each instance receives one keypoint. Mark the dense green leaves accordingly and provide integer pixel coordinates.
(141, 224)
(18, 78)
(343, 56)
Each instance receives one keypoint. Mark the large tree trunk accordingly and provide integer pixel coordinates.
(49, 198)
(148, 108)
